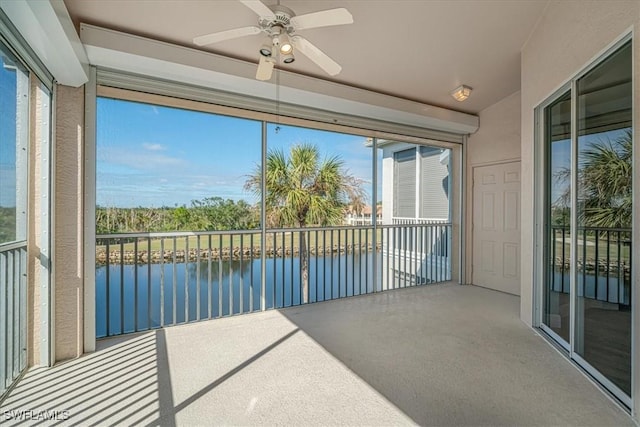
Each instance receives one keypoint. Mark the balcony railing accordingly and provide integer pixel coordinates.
(151, 280)
(603, 264)
(13, 313)
(403, 220)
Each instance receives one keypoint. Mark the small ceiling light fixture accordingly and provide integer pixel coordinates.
(461, 93)
(285, 44)
(288, 58)
(265, 49)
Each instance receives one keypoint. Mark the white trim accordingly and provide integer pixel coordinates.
(377, 286)
(539, 171)
(16, 44)
(635, 260)
(557, 339)
(461, 154)
(418, 180)
(573, 227)
(23, 138)
(496, 162)
(133, 54)
(608, 385)
(52, 238)
(47, 27)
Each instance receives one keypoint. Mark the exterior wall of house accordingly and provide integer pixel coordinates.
(387, 179)
(36, 193)
(496, 141)
(437, 205)
(68, 223)
(568, 37)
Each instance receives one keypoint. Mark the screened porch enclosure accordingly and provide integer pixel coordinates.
(184, 234)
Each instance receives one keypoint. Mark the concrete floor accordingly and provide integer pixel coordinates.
(431, 355)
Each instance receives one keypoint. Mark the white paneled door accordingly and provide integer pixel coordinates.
(496, 227)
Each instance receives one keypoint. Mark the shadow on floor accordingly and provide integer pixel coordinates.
(431, 355)
(455, 355)
(124, 382)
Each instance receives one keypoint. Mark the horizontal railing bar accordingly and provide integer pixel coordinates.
(612, 229)
(443, 224)
(161, 234)
(256, 231)
(434, 220)
(5, 247)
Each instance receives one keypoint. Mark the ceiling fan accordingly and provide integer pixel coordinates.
(281, 25)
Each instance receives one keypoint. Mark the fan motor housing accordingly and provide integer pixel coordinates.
(283, 19)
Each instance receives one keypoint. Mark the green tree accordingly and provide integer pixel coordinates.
(216, 213)
(604, 182)
(303, 190)
(7, 224)
(182, 217)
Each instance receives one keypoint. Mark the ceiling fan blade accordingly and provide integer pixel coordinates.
(265, 68)
(308, 49)
(259, 8)
(324, 18)
(226, 35)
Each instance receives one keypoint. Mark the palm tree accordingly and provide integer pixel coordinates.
(605, 183)
(303, 190)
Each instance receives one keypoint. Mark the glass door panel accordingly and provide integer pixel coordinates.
(556, 291)
(603, 210)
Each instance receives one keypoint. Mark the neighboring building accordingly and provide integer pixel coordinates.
(418, 193)
(364, 216)
(420, 188)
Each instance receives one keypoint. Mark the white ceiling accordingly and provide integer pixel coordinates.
(418, 50)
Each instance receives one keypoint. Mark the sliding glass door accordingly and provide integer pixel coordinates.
(587, 287)
(557, 289)
(603, 214)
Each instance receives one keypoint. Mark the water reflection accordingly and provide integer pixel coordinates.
(139, 296)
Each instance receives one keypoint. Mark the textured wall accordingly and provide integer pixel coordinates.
(35, 225)
(568, 37)
(67, 229)
(497, 140)
(498, 137)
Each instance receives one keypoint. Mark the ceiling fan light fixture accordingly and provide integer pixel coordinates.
(285, 44)
(280, 25)
(288, 58)
(266, 49)
(461, 93)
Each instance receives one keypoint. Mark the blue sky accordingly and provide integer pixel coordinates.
(7, 134)
(158, 156)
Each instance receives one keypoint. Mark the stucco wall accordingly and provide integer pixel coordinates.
(497, 140)
(67, 229)
(568, 37)
(35, 208)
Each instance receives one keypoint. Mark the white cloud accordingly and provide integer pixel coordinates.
(137, 160)
(153, 147)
